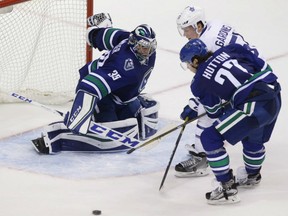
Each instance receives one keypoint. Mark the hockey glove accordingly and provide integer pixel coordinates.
(101, 20)
(190, 111)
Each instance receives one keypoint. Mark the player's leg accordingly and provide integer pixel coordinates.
(105, 110)
(219, 162)
(233, 126)
(250, 123)
(197, 164)
(266, 113)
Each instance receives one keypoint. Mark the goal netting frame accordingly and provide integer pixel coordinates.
(43, 45)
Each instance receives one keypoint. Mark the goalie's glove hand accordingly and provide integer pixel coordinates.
(190, 111)
(101, 20)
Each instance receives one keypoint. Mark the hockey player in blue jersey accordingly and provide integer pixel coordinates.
(191, 23)
(235, 75)
(109, 92)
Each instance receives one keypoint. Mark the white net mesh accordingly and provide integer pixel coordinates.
(42, 48)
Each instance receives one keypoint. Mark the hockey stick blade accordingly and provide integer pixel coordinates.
(153, 139)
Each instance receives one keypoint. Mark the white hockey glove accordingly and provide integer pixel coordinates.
(101, 20)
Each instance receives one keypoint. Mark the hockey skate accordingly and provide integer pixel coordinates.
(243, 179)
(195, 166)
(40, 146)
(225, 193)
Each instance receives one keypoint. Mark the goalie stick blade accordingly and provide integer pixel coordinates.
(130, 150)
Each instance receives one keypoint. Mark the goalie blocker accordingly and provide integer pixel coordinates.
(57, 137)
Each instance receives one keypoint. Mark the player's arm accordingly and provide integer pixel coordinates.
(212, 105)
(101, 34)
(105, 38)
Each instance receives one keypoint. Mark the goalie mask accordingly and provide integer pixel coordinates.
(190, 16)
(143, 42)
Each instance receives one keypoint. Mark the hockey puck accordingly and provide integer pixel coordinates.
(96, 212)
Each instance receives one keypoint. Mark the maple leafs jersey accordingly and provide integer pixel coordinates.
(117, 71)
(229, 74)
(218, 34)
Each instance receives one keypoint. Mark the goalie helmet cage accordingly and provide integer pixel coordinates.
(43, 46)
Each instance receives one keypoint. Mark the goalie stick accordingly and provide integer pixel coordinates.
(94, 127)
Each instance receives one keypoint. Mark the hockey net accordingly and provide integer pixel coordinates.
(43, 45)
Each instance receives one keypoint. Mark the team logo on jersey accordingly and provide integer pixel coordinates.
(129, 65)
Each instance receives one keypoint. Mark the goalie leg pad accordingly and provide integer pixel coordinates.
(96, 143)
(49, 142)
(58, 138)
(78, 120)
(148, 121)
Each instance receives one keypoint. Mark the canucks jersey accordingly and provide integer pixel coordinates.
(229, 74)
(117, 71)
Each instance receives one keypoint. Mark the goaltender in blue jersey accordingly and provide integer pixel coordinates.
(109, 92)
(236, 75)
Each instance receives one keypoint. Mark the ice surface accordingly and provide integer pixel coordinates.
(74, 184)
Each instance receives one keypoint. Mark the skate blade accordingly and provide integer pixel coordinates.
(191, 175)
(231, 200)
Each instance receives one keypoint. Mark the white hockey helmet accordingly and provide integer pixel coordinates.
(190, 16)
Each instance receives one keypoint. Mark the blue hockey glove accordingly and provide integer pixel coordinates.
(188, 113)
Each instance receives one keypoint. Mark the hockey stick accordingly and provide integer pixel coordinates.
(94, 127)
(172, 155)
(163, 134)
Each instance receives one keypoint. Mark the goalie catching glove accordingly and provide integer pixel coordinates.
(190, 111)
(101, 20)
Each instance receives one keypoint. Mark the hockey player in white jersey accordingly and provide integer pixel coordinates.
(191, 23)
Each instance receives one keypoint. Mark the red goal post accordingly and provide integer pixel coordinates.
(43, 45)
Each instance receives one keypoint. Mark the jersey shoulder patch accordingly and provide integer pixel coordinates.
(129, 64)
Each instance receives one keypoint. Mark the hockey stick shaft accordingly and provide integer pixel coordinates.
(27, 100)
(164, 134)
(172, 155)
(94, 127)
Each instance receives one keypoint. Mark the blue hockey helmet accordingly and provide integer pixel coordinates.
(143, 42)
(194, 47)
